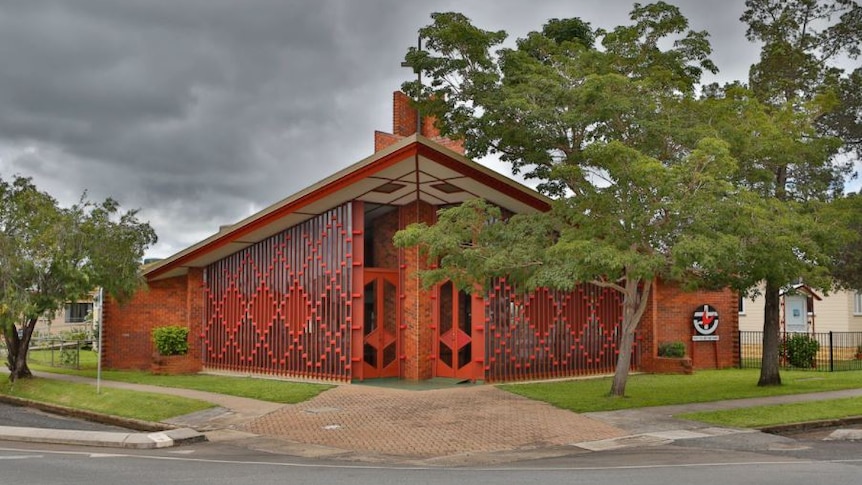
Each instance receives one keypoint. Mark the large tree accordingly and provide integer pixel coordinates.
(51, 255)
(807, 96)
(848, 258)
(612, 133)
(786, 234)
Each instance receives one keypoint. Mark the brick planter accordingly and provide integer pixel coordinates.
(671, 365)
(175, 364)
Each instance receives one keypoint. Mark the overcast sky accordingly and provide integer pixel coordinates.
(201, 112)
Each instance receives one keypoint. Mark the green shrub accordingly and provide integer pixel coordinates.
(69, 357)
(671, 349)
(171, 340)
(77, 334)
(82, 336)
(800, 350)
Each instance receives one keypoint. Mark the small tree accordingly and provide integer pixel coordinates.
(51, 255)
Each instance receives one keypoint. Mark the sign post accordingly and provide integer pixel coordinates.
(100, 321)
(705, 320)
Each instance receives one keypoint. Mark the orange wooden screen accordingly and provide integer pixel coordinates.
(548, 334)
(283, 306)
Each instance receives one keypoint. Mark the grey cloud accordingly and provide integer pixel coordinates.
(200, 111)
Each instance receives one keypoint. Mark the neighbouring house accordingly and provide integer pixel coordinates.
(74, 319)
(313, 287)
(804, 309)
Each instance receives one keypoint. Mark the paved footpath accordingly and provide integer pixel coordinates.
(453, 425)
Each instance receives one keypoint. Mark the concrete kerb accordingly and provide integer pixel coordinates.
(811, 425)
(161, 439)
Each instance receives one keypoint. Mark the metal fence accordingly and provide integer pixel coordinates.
(822, 351)
(58, 351)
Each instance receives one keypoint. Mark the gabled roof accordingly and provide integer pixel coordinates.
(412, 168)
(800, 288)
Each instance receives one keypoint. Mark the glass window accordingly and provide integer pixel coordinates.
(77, 312)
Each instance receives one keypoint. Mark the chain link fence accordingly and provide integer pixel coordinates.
(56, 351)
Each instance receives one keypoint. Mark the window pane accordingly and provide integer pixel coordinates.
(77, 312)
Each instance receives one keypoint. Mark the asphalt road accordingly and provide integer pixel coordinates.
(224, 465)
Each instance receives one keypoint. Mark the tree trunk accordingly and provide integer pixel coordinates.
(18, 347)
(624, 361)
(769, 375)
(635, 298)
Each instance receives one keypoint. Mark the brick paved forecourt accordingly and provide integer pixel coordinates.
(428, 423)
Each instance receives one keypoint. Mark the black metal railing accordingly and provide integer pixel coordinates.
(822, 351)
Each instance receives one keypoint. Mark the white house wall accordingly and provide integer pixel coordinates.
(834, 313)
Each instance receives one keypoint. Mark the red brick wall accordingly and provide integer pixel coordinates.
(384, 229)
(128, 342)
(417, 334)
(383, 140)
(403, 115)
(404, 125)
(669, 316)
(195, 311)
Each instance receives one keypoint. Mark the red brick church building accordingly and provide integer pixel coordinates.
(312, 287)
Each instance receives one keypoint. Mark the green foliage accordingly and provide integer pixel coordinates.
(847, 268)
(794, 106)
(69, 357)
(50, 255)
(800, 350)
(801, 41)
(171, 340)
(78, 334)
(642, 182)
(473, 243)
(652, 181)
(671, 349)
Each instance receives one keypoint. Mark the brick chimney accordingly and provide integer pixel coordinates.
(404, 125)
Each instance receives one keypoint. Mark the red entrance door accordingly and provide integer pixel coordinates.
(456, 343)
(380, 329)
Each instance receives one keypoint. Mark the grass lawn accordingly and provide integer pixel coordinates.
(278, 391)
(760, 416)
(116, 402)
(586, 395)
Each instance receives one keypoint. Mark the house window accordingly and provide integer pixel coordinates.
(77, 312)
(741, 304)
(857, 303)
